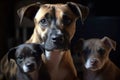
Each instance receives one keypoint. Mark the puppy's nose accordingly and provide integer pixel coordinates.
(30, 65)
(94, 61)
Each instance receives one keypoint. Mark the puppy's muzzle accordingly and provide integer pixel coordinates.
(30, 66)
(94, 62)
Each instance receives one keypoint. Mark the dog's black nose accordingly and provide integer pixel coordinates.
(30, 65)
(57, 38)
(94, 62)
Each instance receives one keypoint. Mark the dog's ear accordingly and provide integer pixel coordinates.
(79, 10)
(39, 48)
(109, 43)
(28, 11)
(11, 53)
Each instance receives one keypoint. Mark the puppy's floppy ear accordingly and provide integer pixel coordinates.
(28, 11)
(80, 10)
(109, 43)
(39, 48)
(11, 53)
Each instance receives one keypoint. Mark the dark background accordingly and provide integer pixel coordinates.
(103, 20)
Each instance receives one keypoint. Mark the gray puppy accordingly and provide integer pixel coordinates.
(94, 54)
(28, 60)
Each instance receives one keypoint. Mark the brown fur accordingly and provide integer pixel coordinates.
(60, 66)
(73, 10)
(106, 69)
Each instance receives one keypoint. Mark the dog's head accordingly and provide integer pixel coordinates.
(95, 52)
(54, 23)
(27, 57)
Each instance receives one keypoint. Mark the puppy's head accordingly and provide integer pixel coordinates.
(95, 52)
(27, 57)
(54, 23)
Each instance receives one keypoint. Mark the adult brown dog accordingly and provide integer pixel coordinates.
(54, 28)
(95, 59)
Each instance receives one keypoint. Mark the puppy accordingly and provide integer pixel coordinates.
(28, 60)
(94, 54)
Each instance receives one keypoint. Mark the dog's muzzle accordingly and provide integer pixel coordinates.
(29, 67)
(57, 40)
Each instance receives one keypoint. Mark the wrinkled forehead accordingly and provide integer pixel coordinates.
(93, 43)
(57, 10)
(25, 49)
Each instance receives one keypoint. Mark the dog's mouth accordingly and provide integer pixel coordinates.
(56, 46)
(94, 68)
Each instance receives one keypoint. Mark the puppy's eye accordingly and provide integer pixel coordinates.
(66, 20)
(44, 22)
(86, 51)
(101, 51)
(20, 57)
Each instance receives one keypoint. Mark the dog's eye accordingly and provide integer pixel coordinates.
(66, 20)
(86, 51)
(20, 57)
(101, 51)
(44, 22)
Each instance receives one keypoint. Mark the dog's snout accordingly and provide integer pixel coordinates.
(57, 38)
(94, 61)
(56, 35)
(30, 65)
